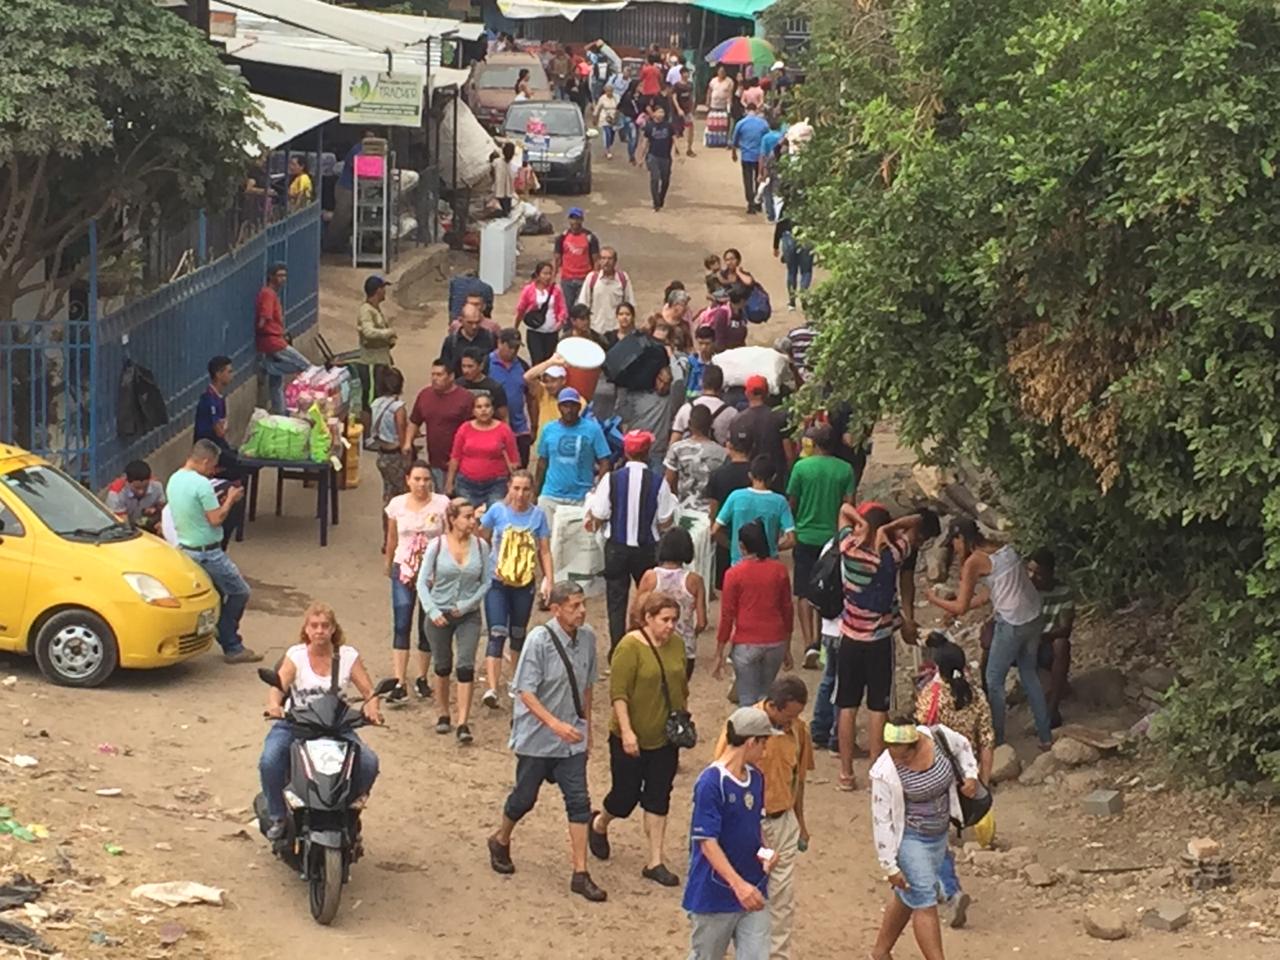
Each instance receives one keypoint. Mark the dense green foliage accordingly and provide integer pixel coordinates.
(1054, 241)
(109, 109)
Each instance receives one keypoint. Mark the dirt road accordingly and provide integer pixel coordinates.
(188, 742)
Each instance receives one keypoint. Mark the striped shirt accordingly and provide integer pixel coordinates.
(928, 795)
(871, 610)
(801, 340)
(1058, 605)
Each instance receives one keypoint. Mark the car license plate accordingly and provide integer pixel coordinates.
(207, 622)
(541, 166)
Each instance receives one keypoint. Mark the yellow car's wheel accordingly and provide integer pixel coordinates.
(76, 648)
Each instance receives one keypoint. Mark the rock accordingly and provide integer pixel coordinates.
(1157, 678)
(1274, 879)
(971, 847)
(1019, 857)
(1105, 925)
(1103, 803)
(1037, 875)
(1069, 875)
(1099, 687)
(989, 861)
(1005, 764)
(1041, 767)
(1265, 902)
(1073, 753)
(1078, 781)
(937, 559)
(1164, 877)
(1167, 915)
(1203, 848)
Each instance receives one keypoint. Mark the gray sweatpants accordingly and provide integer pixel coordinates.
(712, 933)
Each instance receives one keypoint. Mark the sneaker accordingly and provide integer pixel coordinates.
(500, 857)
(398, 695)
(660, 874)
(243, 655)
(422, 688)
(956, 910)
(584, 886)
(596, 841)
(277, 830)
(490, 699)
(443, 725)
(812, 658)
(464, 733)
(791, 306)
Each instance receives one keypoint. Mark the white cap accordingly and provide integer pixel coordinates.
(777, 65)
(555, 370)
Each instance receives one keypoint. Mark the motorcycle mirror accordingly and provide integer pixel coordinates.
(269, 677)
(384, 687)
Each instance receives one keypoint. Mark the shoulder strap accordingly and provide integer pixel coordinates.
(568, 666)
(719, 410)
(666, 691)
(335, 662)
(940, 741)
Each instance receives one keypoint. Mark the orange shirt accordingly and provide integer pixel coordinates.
(787, 760)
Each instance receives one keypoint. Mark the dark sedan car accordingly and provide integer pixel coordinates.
(556, 141)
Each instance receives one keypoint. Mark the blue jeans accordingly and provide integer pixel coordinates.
(571, 289)
(609, 133)
(824, 711)
(947, 878)
(404, 600)
(755, 665)
(277, 366)
(507, 611)
(481, 494)
(921, 858)
(631, 133)
(273, 767)
(799, 270)
(1018, 645)
(232, 591)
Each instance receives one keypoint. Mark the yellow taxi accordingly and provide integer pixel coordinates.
(85, 593)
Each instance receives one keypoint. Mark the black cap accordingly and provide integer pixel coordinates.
(375, 283)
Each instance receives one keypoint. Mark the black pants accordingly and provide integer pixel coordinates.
(524, 443)
(749, 171)
(623, 566)
(659, 179)
(645, 780)
(567, 773)
(541, 345)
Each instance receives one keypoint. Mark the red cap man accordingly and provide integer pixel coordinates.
(636, 444)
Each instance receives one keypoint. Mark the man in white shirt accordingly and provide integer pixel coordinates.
(673, 72)
(722, 413)
(633, 505)
(604, 290)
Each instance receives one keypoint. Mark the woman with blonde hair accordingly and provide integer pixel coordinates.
(318, 662)
(646, 683)
(452, 583)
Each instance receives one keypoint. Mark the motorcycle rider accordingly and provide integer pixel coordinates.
(306, 672)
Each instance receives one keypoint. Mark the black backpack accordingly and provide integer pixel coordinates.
(825, 589)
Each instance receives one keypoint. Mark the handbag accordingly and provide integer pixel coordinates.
(972, 809)
(536, 317)
(679, 729)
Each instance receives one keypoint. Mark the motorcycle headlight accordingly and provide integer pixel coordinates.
(150, 589)
(326, 756)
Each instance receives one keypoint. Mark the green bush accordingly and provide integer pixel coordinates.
(1052, 237)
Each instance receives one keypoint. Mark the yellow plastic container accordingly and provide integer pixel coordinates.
(351, 456)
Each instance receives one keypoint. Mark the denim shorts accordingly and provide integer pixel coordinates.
(920, 858)
(481, 494)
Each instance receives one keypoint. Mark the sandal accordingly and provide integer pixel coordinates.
(847, 784)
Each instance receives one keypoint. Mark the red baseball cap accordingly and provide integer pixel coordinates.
(757, 384)
(866, 506)
(636, 443)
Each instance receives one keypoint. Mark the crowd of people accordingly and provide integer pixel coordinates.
(671, 475)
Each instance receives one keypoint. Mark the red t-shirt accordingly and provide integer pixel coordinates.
(442, 414)
(483, 455)
(650, 80)
(755, 604)
(268, 323)
(575, 251)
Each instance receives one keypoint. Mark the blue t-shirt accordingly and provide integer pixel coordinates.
(571, 454)
(501, 516)
(728, 812)
(743, 506)
(347, 178)
(748, 136)
(511, 379)
(210, 409)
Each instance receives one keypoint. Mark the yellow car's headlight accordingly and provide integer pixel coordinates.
(151, 590)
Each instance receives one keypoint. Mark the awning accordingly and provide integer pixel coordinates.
(285, 120)
(744, 9)
(463, 31)
(363, 28)
(334, 58)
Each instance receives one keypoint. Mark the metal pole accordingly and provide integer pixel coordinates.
(459, 211)
(91, 314)
(202, 239)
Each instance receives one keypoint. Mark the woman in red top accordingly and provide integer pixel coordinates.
(756, 617)
(650, 81)
(484, 454)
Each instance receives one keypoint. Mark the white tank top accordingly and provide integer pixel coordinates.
(673, 583)
(1013, 596)
(307, 684)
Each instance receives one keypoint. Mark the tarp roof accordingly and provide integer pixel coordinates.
(746, 9)
(334, 58)
(363, 28)
(532, 9)
(286, 120)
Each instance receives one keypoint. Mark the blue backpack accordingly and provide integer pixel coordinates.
(759, 309)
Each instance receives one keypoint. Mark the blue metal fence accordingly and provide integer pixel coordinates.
(60, 380)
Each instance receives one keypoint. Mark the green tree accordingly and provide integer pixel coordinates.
(1052, 236)
(110, 110)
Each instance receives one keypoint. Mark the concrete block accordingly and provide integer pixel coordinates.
(1103, 803)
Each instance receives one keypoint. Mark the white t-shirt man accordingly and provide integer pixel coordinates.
(722, 415)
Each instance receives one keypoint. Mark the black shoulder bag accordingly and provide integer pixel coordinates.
(679, 729)
(972, 809)
(568, 666)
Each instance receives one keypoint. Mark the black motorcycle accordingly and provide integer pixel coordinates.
(322, 830)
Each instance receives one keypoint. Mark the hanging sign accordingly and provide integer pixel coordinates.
(381, 99)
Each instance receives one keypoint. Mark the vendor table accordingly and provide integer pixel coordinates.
(321, 473)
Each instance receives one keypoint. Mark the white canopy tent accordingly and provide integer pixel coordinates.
(362, 28)
(334, 57)
(283, 120)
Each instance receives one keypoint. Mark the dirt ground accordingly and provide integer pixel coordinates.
(182, 746)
